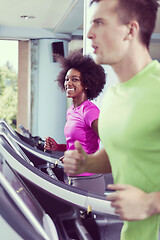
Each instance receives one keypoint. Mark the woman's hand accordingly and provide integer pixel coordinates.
(51, 144)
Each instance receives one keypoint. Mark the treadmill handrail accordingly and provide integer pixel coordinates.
(29, 148)
(22, 206)
(79, 197)
(20, 152)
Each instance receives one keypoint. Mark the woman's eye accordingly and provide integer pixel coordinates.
(73, 79)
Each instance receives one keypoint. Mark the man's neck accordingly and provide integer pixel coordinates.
(132, 64)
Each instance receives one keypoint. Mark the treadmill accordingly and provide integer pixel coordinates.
(21, 216)
(77, 214)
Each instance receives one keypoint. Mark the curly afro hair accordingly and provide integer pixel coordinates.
(92, 75)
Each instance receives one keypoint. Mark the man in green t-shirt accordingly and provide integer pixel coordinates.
(129, 123)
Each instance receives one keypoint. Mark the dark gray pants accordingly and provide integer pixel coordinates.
(94, 183)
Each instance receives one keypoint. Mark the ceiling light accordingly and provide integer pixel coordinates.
(27, 17)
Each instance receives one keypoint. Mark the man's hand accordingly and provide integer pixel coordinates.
(130, 203)
(75, 161)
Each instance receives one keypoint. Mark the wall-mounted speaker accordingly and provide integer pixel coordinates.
(57, 48)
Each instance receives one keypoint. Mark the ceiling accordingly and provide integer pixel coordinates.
(63, 16)
(48, 17)
(57, 15)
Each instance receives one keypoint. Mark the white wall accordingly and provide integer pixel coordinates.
(75, 44)
(51, 111)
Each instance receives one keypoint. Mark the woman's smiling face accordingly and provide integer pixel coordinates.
(72, 84)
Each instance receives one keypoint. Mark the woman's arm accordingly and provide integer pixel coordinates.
(95, 126)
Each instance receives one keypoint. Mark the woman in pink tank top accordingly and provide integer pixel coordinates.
(82, 80)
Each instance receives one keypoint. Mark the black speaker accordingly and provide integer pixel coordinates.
(57, 48)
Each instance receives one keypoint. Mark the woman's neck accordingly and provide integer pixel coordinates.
(78, 101)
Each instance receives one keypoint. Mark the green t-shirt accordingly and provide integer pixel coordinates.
(129, 127)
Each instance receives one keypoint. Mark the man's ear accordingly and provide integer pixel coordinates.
(132, 30)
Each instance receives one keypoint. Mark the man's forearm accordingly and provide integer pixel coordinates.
(98, 162)
(78, 161)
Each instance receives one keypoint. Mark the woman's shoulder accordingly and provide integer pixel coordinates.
(70, 109)
(89, 108)
(88, 104)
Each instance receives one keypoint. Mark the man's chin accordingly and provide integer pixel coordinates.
(97, 60)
